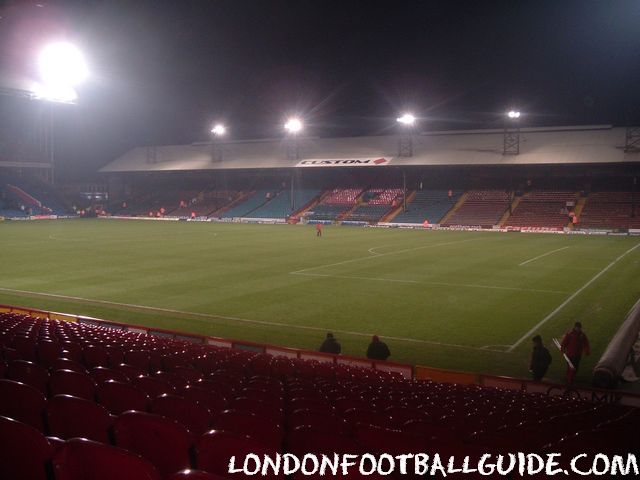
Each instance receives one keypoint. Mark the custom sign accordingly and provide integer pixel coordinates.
(345, 162)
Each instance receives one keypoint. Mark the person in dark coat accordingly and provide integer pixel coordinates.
(330, 345)
(540, 359)
(378, 350)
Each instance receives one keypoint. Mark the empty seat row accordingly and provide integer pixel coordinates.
(255, 401)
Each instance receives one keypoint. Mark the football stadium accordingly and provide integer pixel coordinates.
(390, 302)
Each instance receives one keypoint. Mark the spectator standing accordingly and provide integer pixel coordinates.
(574, 344)
(540, 359)
(378, 350)
(330, 345)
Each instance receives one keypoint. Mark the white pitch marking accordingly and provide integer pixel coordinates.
(372, 250)
(202, 316)
(493, 347)
(54, 237)
(439, 284)
(353, 277)
(541, 256)
(571, 297)
(351, 260)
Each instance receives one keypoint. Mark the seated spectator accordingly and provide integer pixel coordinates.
(330, 345)
(378, 350)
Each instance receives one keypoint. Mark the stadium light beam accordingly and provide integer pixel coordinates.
(218, 130)
(407, 119)
(294, 125)
(513, 114)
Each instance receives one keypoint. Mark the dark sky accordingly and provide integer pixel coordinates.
(162, 71)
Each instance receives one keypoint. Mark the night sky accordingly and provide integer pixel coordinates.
(162, 71)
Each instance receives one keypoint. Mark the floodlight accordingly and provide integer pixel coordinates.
(513, 114)
(62, 65)
(293, 125)
(218, 130)
(407, 119)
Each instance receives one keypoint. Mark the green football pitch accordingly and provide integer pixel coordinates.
(461, 300)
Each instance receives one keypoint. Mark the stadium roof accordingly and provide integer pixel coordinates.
(551, 145)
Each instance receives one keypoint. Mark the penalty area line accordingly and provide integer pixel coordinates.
(570, 298)
(203, 317)
(372, 250)
(378, 255)
(541, 256)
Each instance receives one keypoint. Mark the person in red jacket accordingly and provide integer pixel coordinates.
(318, 229)
(574, 344)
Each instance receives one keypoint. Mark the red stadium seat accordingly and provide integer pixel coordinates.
(162, 441)
(118, 397)
(215, 448)
(73, 383)
(259, 404)
(195, 417)
(190, 374)
(70, 417)
(104, 374)
(72, 351)
(25, 347)
(306, 439)
(152, 386)
(25, 452)
(80, 459)
(48, 352)
(10, 354)
(206, 363)
(129, 370)
(29, 373)
(324, 422)
(95, 356)
(66, 364)
(265, 430)
(401, 415)
(317, 405)
(217, 387)
(22, 402)
(369, 417)
(283, 367)
(116, 355)
(138, 358)
(194, 475)
(214, 403)
(382, 440)
(174, 360)
(174, 379)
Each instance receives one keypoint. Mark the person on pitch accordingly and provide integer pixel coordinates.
(318, 229)
(540, 359)
(573, 345)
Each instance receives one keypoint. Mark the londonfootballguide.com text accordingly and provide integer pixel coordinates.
(519, 464)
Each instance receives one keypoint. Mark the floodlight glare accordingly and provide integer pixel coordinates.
(406, 119)
(218, 130)
(514, 114)
(55, 93)
(62, 65)
(293, 125)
